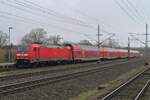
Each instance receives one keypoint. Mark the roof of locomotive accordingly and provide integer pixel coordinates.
(48, 46)
(52, 46)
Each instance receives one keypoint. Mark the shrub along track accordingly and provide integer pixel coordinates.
(64, 77)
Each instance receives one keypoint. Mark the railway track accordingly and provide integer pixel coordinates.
(145, 92)
(133, 89)
(12, 65)
(50, 78)
(52, 69)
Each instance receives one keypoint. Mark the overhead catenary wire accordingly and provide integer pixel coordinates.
(131, 10)
(20, 8)
(136, 10)
(38, 11)
(84, 25)
(46, 10)
(95, 20)
(29, 11)
(102, 30)
(52, 11)
(125, 11)
(35, 22)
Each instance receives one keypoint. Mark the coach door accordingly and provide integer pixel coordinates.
(36, 51)
(72, 51)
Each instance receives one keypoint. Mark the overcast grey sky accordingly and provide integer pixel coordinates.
(74, 19)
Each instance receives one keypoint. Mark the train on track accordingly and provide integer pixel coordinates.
(38, 54)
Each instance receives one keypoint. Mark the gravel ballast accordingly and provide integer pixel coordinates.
(71, 88)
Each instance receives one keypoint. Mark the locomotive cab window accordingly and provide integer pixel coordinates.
(23, 48)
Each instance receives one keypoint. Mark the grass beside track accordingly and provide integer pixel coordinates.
(85, 95)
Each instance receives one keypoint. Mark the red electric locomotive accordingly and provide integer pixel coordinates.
(36, 53)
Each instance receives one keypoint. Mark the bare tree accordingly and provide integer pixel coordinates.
(68, 42)
(85, 42)
(3, 39)
(36, 35)
(53, 40)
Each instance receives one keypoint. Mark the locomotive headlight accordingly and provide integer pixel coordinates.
(25, 55)
(22, 56)
(18, 55)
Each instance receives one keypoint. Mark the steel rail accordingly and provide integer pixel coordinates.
(57, 69)
(11, 88)
(142, 90)
(111, 94)
(8, 65)
(22, 85)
